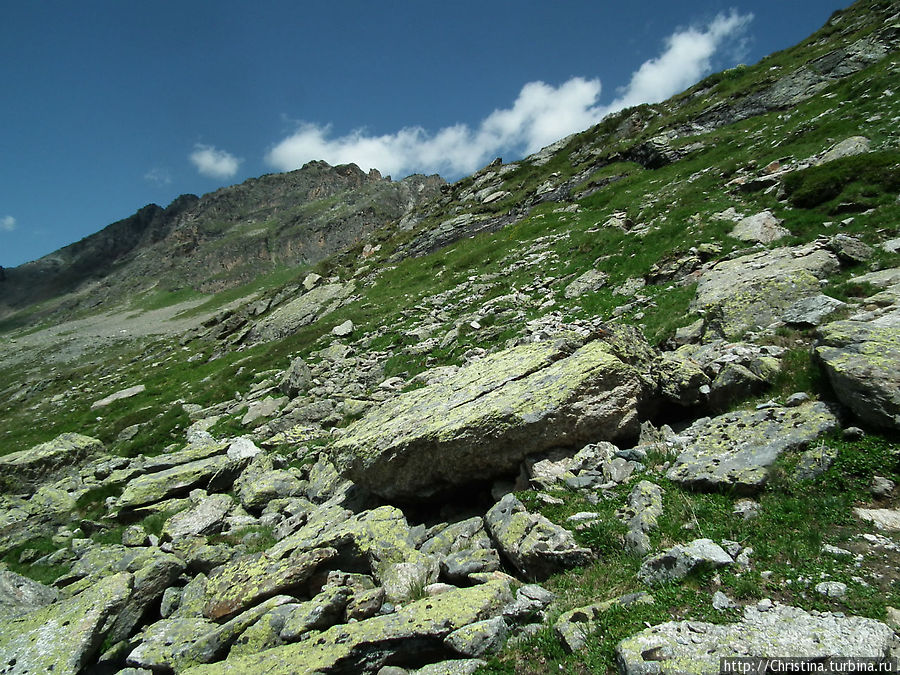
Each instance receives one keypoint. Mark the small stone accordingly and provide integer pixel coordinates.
(881, 486)
(765, 605)
(720, 601)
(344, 329)
(832, 589)
(853, 434)
(796, 399)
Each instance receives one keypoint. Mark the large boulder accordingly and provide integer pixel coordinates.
(862, 360)
(20, 595)
(483, 421)
(753, 291)
(178, 480)
(301, 311)
(764, 632)
(405, 637)
(736, 450)
(677, 562)
(62, 637)
(22, 472)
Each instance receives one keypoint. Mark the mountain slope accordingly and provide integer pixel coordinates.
(652, 367)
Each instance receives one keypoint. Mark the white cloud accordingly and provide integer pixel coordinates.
(7, 223)
(540, 115)
(215, 163)
(158, 177)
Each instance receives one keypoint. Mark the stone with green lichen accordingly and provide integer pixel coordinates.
(677, 562)
(22, 472)
(536, 547)
(62, 637)
(254, 578)
(378, 538)
(207, 516)
(737, 449)
(176, 644)
(482, 421)
(753, 291)
(154, 487)
(454, 667)
(20, 595)
(773, 631)
(323, 611)
(480, 638)
(367, 645)
(261, 482)
(862, 360)
(150, 581)
(573, 627)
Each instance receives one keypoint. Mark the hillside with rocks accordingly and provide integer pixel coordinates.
(630, 404)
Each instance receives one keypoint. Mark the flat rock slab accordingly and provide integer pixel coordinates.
(155, 487)
(682, 559)
(206, 517)
(696, 647)
(60, 638)
(481, 422)
(365, 646)
(252, 579)
(862, 360)
(21, 595)
(735, 450)
(24, 471)
(883, 519)
(118, 396)
(753, 291)
(301, 311)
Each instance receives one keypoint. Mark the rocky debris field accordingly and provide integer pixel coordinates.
(628, 404)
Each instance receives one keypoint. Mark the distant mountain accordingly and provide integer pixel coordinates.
(220, 240)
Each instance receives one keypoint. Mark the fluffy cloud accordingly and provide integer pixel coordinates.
(540, 115)
(7, 223)
(215, 163)
(159, 177)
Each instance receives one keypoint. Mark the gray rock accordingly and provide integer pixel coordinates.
(573, 627)
(366, 646)
(323, 611)
(881, 486)
(296, 379)
(20, 595)
(763, 227)
(529, 605)
(155, 487)
(206, 517)
(343, 329)
(883, 519)
(721, 601)
(173, 644)
(242, 448)
(736, 449)
(815, 461)
(62, 637)
(831, 589)
(516, 402)
(589, 282)
(811, 311)
(641, 514)
(118, 396)
(862, 360)
(311, 306)
(850, 249)
(680, 560)
(695, 647)
(24, 471)
(752, 291)
(454, 667)
(162, 570)
(536, 547)
(259, 484)
(478, 639)
(855, 145)
(247, 581)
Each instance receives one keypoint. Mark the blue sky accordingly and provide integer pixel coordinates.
(111, 105)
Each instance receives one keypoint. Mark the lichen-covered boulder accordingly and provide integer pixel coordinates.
(150, 581)
(753, 291)
(481, 422)
(62, 637)
(862, 360)
(536, 547)
(365, 646)
(249, 580)
(765, 631)
(736, 450)
(20, 595)
(154, 487)
(174, 644)
(207, 516)
(379, 538)
(22, 472)
(573, 627)
(641, 515)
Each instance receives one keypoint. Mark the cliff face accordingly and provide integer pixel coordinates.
(219, 240)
